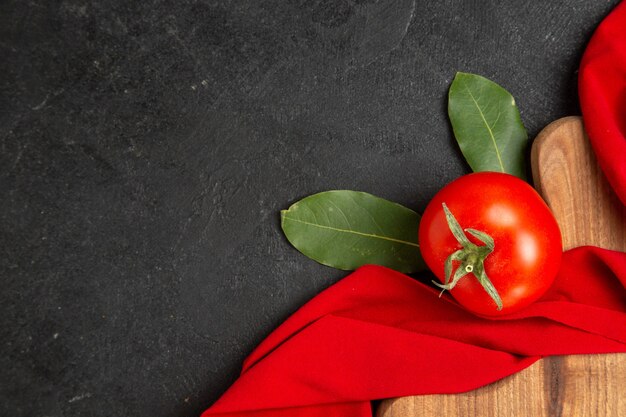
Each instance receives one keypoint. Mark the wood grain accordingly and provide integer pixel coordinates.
(569, 178)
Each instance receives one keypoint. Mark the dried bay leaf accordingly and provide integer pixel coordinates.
(347, 229)
(487, 125)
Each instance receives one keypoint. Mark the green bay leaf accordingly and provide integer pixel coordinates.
(347, 229)
(487, 125)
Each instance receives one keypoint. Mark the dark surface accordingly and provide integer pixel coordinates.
(147, 147)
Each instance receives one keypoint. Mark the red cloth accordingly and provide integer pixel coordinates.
(378, 333)
(602, 89)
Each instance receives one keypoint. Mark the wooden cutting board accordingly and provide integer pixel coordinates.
(568, 177)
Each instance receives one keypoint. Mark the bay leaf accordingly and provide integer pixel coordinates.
(487, 125)
(347, 229)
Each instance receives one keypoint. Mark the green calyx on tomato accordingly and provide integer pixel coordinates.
(471, 257)
(513, 234)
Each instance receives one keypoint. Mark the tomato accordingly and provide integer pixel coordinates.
(527, 245)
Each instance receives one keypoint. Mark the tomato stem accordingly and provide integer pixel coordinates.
(471, 257)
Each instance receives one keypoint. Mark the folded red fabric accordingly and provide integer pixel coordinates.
(602, 90)
(378, 333)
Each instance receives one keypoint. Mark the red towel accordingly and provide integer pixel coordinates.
(602, 89)
(378, 333)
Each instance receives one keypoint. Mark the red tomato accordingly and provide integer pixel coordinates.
(527, 241)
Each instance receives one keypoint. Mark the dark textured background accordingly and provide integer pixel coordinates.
(147, 147)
